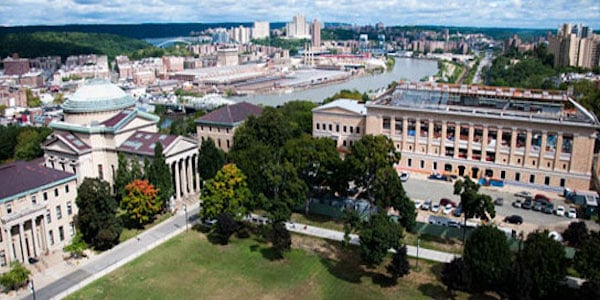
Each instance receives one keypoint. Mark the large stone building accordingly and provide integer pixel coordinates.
(100, 121)
(521, 136)
(37, 205)
(220, 124)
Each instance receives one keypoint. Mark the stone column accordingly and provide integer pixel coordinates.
(559, 141)
(417, 133)
(197, 173)
(456, 139)
(430, 136)
(44, 234)
(34, 237)
(513, 147)
(470, 141)
(9, 245)
(443, 139)
(404, 133)
(190, 179)
(543, 148)
(498, 145)
(177, 183)
(21, 241)
(392, 127)
(484, 143)
(181, 164)
(527, 148)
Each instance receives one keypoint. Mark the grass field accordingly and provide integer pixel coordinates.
(190, 267)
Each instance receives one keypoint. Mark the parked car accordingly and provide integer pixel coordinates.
(499, 201)
(549, 208)
(447, 209)
(453, 223)
(528, 204)
(572, 213)
(517, 203)
(540, 198)
(523, 194)
(445, 201)
(435, 208)
(514, 219)
(404, 176)
(458, 211)
(426, 205)
(418, 204)
(538, 206)
(438, 176)
(560, 211)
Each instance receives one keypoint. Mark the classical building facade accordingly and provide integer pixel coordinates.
(342, 120)
(521, 136)
(220, 124)
(100, 121)
(37, 205)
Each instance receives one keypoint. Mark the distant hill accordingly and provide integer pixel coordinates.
(137, 31)
(67, 43)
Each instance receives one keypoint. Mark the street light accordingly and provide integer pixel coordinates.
(418, 246)
(32, 288)
(186, 219)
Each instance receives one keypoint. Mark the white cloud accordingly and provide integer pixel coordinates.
(498, 13)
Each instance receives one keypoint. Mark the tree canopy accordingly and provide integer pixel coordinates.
(141, 202)
(488, 256)
(474, 204)
(210, 159)
(227, 193)
(97, 219)
(29, 142)
(576, 234)
(159, 174)
(378, 236)
(587, 260)
(545, 260)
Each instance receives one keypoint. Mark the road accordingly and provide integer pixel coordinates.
(485, 62)
(114, 258)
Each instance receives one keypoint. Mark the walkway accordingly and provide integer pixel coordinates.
(334, 235)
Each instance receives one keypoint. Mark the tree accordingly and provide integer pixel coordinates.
(488, 256)
(123, 176)
(97, 220)
(136, 169)
(280, 238)
(227, 192)
(285, 190)
(226, 226)
(210, 159)
(141, 202)
(77, 246)
(58, 99)
(299, 116)
(456, 275)
(517, 284)
(32, 100)
(8, 136)
(545, 260)
(474, 204)
(17, 277)
(367, 156)
(377, 237)
(399, 265)
(587, 260)
(160, 175)
(2, 109)
(576, 234)
(389, 192)
(29, 141)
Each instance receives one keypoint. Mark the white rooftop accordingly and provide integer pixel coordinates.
(348, 104)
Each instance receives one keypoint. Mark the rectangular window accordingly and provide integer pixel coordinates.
(318, 127)
(58, 212)
(61, 233)
(100, 172)
(55, 192)
(422, 164)
(9, 208)
(435, 165)
(48, 217)
(386, 123)
(337, 127)
(71, 229)
(45, 196)
(66, 188)
(517, 176)
(344, 128)
(357, 129)
(69, 208)
(33, 199)
(330, 127)
(51, 237)
(351, 129)
(228, 144)
(410, 162)
(2, 258)
(344, 143)
(503, 174)
(547, 180)
(531, 178)
(562, 182)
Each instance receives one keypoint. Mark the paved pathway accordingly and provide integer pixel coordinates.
(114, 258)
(329, 234)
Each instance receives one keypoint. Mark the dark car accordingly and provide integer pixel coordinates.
(514, 219)
(541, 198)
(446, 201)
(458, 211)
(539, 206)
(438, 176)
(527, 204)
(549, 209)
(499, 201)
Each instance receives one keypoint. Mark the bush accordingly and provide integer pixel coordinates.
(202, 227)
(17, 277)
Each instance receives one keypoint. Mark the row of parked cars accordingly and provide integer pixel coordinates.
(446, 206)
(543, 204)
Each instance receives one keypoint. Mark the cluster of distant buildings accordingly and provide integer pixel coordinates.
(575, 45)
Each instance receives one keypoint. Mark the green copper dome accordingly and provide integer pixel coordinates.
(97, 95)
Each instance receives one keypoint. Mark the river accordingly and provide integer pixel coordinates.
(405, 68)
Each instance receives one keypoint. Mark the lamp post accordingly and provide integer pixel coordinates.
(186, 218)
(418, 245)
(32, 288)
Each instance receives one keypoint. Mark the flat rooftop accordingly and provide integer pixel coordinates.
(487, 101)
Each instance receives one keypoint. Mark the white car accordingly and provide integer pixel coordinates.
(404, 176)
(447, 209)
(560, 211)
(435, 207)
(426, 205)
(418, 204)
(572, 213)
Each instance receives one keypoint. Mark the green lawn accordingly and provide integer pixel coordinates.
(190, 267)
(128, 233)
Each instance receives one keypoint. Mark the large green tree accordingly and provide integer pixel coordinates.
(160, 175)
(399, 265)
(97, 219)
(29, 143)
(378, 236)
(456, 275)
(545, 260)
(122, 176)
(576, 234)
(210, 159)
(488, 256)
(299, 115)
(587, 259)
(389, 192)
(474, 204)
(227, 193)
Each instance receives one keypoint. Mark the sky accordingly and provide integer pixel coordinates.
(479, 13)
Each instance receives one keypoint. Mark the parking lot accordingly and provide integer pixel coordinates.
(418, 187)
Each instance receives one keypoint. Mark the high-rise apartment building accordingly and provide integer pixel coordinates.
(261, 30)
(316, 33)
(575, 45)
(298, 28)
(240, 35)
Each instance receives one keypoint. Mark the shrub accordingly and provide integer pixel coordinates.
(17, 277)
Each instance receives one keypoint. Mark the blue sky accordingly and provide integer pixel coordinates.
(490, 13)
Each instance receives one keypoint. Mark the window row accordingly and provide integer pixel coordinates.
(210, 129)
(344, 128)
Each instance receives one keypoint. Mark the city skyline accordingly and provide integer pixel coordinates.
(510, 13)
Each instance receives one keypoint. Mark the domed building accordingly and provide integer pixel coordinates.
(100, 121)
